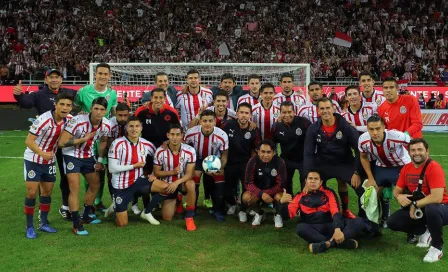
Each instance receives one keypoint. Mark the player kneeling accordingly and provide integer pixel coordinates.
(40, 168)
(128, 156)
(321, 223)
(175, 165)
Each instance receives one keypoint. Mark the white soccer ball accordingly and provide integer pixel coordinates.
(211, 164)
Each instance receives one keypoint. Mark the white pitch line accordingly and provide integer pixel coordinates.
(13, 136)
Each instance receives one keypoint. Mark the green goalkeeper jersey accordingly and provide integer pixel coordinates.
(88, 93)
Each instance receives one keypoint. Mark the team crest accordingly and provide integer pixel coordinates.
(403, 110)
(181, 159)
(364, 116)
(142, 152)
(214, 144)
(391, 150)
(247, 136)
(298, 131)
(378, 101)
(339, 135)
(297, 102)
(167, 118)
(31, 174)
(70, 166)
(36, 122)
(277, 114)
(273, 172)
(118, 200)
(108, 97)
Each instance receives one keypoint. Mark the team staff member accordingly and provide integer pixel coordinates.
(328, 148)
(434, 201)
(233, 91)
(44, 100)
(242, 144)
(290, 133)
(161, 81)
(157, 117)
(265, 174)
(321, 224)
(400, 112)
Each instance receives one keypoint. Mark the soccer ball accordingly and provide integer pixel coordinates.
(211, 164)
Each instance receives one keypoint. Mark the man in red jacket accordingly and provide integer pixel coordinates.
(400, 112)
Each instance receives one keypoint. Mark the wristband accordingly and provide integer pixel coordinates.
(100, 159)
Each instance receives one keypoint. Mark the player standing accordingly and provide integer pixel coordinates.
(254, 84)
(369, 94)
(288, 94)
(358, 110)
(162, 82)
(220, 109)
(265, 113)
(39, 161)
(309, 110)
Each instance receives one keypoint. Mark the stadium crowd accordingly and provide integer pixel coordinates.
(401, 38)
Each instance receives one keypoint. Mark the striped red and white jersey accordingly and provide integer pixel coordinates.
(248, 99)
(359, 118)
(230, 114)
(188, 105)
(213, 144)
(297, 99)
(391, 153)
(48, 132)
(78, 127)
(309, 111)
(128, 153)
(168, 161)
(265, 119)
(377, 98)
(116, 131)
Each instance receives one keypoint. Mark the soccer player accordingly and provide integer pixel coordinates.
(321, 223)
(400, 112)
(220, 109)
(265, 113)
(358, 110)
(77, 140)
(369, 94)
(290, 132)
(39, 158)
(288, 94)
(328, 148)
(162, 82)
(175, 166)
(157, 117)
(207, 139)
(265, 174)
(44, 100)
(254, 84)
(128, 156)
(242, 146)
(388, 148)
(432, 200)
(195, 99)
(309, 110)
(233, 91)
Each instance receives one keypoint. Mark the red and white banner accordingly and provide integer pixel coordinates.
(342, 39)
(435, 117)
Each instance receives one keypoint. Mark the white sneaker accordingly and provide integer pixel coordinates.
(109, 211)
(231, 210)
(242, 216)
(425, 239)
(252, 213)
(433, 255)
(149, 218)
(278, 221)
(257, 219)
(135, 209)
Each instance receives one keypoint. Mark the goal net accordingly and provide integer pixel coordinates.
(132, 80)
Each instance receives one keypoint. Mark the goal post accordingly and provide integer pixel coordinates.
(137, 78)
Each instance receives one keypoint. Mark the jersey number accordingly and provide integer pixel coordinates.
(52, 170)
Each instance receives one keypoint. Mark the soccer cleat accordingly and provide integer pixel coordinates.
(40, 220)
(135, 209)
(384, 224)
(219, 216)
(148, 217)
(425, 239)
(47, 228)
(100, 207)
(316, 248)
(349, 244)
(348, 214)
(65, 214)
(278, 221)
(80, 230)
(433, 255)
(231, 210)
(411, 238)
(189, 224)
(242, 216)
(110, 211)
(31, 233)
(208, 203)
(252, 213)
(90, 220)
(258, 218)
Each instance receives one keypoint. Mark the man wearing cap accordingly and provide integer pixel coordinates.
(44, 100)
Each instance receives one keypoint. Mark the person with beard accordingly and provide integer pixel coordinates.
(309, 110)
(288, 94)
(161, 81)
(425, 179)
(253, 84)
(233, 91)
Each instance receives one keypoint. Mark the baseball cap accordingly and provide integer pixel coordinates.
(51, 71)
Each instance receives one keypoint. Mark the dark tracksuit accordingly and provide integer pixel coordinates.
(237, 92)
(44, 100)
(292, 139)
